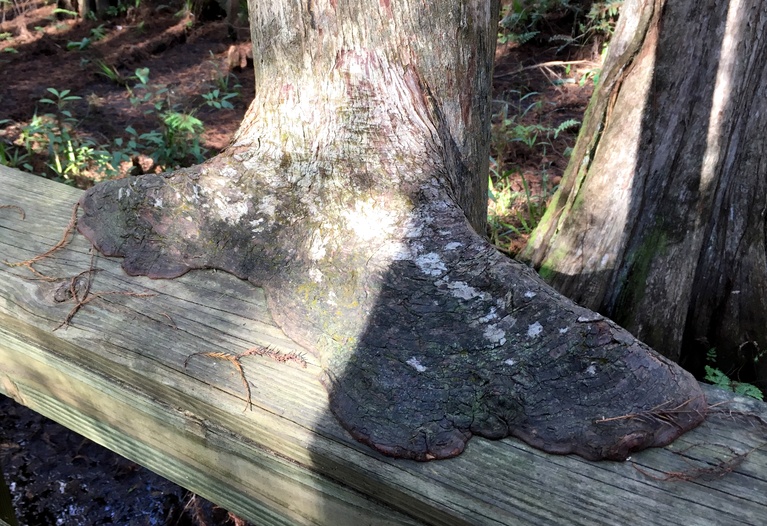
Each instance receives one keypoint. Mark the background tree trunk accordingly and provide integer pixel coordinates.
(659, 222)
(349, 194)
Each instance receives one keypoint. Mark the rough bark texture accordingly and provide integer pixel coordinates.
(660, 220)
(346, 194)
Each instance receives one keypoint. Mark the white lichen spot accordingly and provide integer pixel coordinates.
(231, 212)
(564, 330)
(415, 364)
(534, 330)
(120, 194)
(495, 334)
(267, 206)
(594, 317)
(316, 275)
(317, 250)
(591, 370)
(510, 361)
(430, 264)
(530, 294)
(158, 202)
(332, 299)
(604, 261)
(490, 315)
(462, 290)
(228, 171)
(255, 225)
(414, 230)
(453, 245)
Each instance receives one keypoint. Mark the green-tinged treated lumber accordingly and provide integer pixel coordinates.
(116, 374)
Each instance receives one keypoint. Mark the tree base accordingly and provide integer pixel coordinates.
(426, 334)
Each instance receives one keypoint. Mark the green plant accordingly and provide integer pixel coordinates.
(14, 157)
(79, 45)
(223, 80)
(566, 125)
(718, 378)
(602, 17)
(98, 33)
(122, 7)
(60, 11)
(521, 19)
(218, 100)
(113, 74)
(514, 213)
(53, 135)
(179, 138)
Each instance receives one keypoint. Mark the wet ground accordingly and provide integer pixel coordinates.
(56, 477)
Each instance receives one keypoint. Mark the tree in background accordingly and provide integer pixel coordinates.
(352, 193)
(659, 222)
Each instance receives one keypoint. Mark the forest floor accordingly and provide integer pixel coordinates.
(57, 477)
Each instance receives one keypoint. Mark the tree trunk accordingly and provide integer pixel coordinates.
(349, 194)
(660, 219)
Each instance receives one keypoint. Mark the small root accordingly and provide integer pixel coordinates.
(84, 296)
(172, 323)
(235, 359)
(659, 412)
(277, 355)
(65, 239)
(719, 469)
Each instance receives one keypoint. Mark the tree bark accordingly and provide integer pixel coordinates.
(660, 219)
(349, 194)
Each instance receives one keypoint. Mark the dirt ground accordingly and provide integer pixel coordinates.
(56, 476)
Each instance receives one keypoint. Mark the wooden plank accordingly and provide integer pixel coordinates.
(117, 375)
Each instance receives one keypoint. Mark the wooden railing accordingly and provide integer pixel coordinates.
(124, 373)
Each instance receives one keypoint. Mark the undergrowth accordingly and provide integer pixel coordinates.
(719, 378)
(53, 142)
(524, 137)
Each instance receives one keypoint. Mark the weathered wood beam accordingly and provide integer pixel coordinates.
(117, 376)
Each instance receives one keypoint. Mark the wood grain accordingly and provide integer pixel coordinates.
(117, 375)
